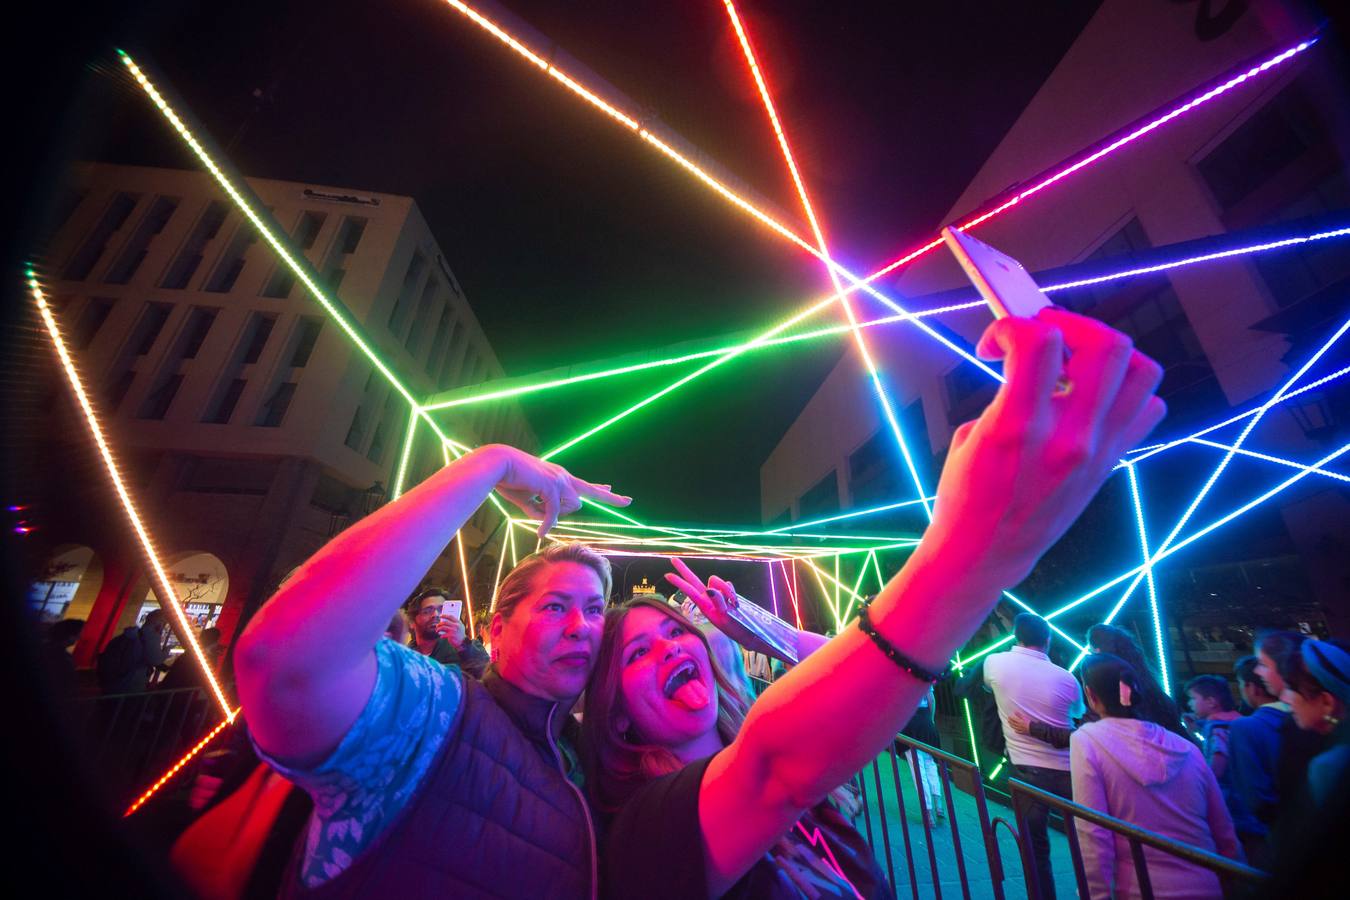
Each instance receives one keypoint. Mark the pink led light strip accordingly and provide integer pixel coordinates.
(169, 597)
(1064, 170)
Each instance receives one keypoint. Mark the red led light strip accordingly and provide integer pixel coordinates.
(756, 72)
(177, 767)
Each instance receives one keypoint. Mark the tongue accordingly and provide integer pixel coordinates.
(692, 695)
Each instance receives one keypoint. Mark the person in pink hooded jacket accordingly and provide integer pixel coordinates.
(1140, 772)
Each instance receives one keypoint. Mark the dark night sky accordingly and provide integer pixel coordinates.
(572, 239)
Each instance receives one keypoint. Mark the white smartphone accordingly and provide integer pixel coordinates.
(450, 609)
(1002, 281)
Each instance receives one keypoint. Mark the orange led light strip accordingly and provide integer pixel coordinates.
(168, 596)
(464, 571)
(717, 186)
(178, 766)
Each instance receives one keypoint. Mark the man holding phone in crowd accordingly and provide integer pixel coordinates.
(438, 631)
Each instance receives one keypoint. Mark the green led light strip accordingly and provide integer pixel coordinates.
(787, 552)
(479, 395)
(408, 438)
(730, 532)
(266, 231)
(721, 360)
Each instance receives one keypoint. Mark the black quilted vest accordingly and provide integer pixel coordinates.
(494, 817)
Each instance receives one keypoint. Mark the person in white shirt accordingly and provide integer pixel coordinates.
(1024, 680)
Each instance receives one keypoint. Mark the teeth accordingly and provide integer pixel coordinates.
(687, 671)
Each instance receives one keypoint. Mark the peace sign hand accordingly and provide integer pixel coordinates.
(715, 600)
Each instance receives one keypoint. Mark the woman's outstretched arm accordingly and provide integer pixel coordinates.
(305, 665)
(1014, 481)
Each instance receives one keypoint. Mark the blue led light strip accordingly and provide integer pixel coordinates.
(1138, 571)
(1228, 456)
(1148, 575)
(1155, 449)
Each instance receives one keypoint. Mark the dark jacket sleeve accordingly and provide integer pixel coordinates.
(1054, 735)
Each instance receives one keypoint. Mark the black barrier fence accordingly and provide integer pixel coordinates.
(949, 843)
(129, 738)
(963, 855)
(1235, 877)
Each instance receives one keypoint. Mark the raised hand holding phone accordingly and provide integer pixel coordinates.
(1020, 474)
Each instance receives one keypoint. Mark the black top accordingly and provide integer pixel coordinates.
(654, 849)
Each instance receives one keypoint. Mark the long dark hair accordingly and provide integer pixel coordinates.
(617, 762)
(1153, 704)
(1104, 674)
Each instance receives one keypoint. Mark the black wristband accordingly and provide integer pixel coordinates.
(893, 653)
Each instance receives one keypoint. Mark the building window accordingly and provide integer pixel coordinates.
(190, 256)
(231, 263)
(357, 431)
(274, 410)
(874, 471)
(1122, 245)
(821, 500)
(1273, 139)
(91, 319)
(438, 342)
(280, 282)
(113, 218)
(1161, 329)
(376, 452)
(422, 319)
(156, 405)
(199, 324)
(453, 345)
(308, 228)
(260, 329)
(136, 249)
(350, 233)
(223, 408)
(306, 335)
(117, 389)
(403, 303)
(148, 329)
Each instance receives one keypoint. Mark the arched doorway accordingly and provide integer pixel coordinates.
(201, 582)
(68, 584)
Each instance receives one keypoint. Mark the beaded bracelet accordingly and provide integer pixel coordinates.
(893, 653)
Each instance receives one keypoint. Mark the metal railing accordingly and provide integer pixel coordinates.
(1233, 874)
(952, 770)
(127, 738)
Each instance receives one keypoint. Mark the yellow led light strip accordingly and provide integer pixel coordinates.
(168, 597)
(464, 571)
